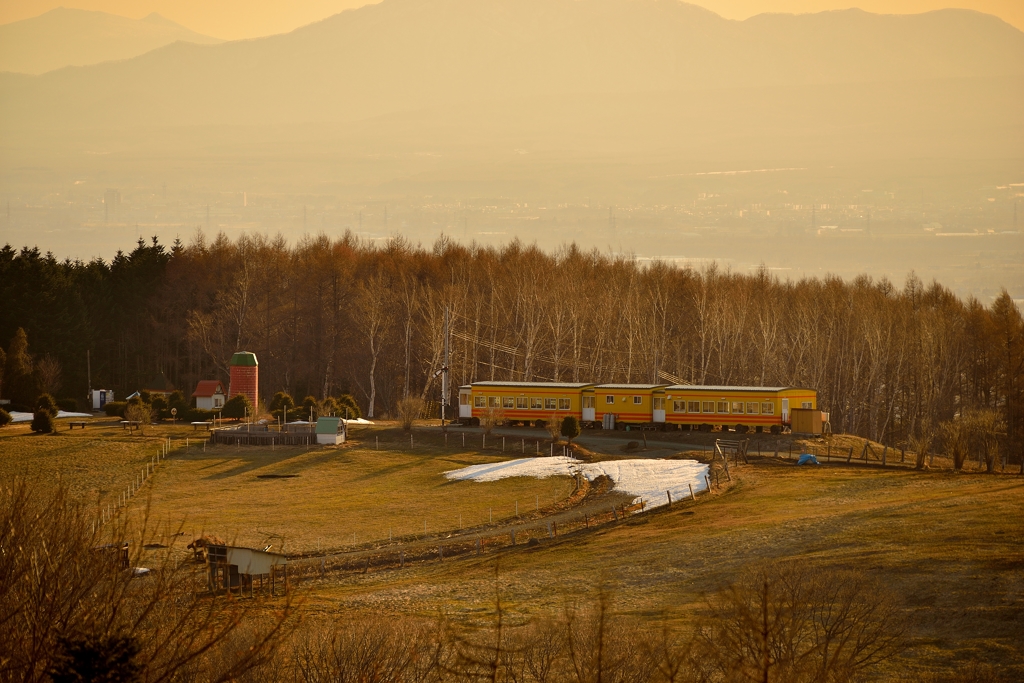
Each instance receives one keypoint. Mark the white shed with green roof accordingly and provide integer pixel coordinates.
(330, 430)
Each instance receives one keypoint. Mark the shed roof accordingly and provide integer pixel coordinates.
(327, 425)
(208, 387)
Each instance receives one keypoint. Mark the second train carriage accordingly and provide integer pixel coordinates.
(640, 405)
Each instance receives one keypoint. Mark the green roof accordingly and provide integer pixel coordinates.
(244, 358)
(327, 425)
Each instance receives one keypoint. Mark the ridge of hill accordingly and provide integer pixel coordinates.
(74, 37)
(403, 55)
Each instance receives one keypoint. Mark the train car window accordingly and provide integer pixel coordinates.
(752, 408)
(463, 399)
(659, 404)
(493, 401)
(637, 400)
(678, 406)
(507, 402)
(481, 401)
(563, 404)
(723, 406)
(694, 406)
(536, 403)
(805, 404)
(520, 403)
(708, 406)
(588, 401)
(549, 404)
(737, 407)
(767, 408)
(609, 399)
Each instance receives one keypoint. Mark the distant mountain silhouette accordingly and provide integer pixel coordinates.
(654, 71)
(74, 37)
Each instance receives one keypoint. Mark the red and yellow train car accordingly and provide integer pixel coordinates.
(758, 408)
(658, 406)
(521, 402)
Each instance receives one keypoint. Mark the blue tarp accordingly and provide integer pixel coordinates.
(807, 459)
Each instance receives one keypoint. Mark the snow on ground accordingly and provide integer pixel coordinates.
(17, 416)
(647, 479)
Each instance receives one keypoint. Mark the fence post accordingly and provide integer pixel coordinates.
(463, 439)
(512, 535)
(707, 480)
(615, 514)
(401, 558)
(850, 456)
(440, 554)
(691, 491)
(669, 495)
(376, 443)
(502, 444)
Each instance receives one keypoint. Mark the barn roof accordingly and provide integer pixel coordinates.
(208, 387)
(159, 385)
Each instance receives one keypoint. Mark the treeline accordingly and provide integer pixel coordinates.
(333, 316)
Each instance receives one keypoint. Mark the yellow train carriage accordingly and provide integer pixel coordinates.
(521, 402)
(626, 404)
(757, 408)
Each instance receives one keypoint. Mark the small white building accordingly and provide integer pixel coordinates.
(100, 397)
(330, 430)
(209, 394)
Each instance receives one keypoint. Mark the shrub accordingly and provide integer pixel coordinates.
(115, 408)
(42, 421)
(46, 403)
(409, 409)
(310, 406)
(160, 407)
(237, 407)
(5, 418)
(178, 400)
(69, 405)
(347, 406)
(570, 427)
(140, 412)
(540, 424)
(281, 405)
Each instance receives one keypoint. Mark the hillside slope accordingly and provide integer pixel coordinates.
(403, 55)
(73, 37)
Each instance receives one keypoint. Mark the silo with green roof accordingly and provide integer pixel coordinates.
(245, 376)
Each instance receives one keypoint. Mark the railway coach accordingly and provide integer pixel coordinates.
(644, 406)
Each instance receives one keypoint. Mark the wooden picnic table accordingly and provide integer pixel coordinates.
(80, 423)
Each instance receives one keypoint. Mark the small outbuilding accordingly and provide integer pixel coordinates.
(232, 568)
(209, 394)
(330, 430)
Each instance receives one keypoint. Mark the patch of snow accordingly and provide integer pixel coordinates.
(647, 479)
(357, 421)
(17, 416)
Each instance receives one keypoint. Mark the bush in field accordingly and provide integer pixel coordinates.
(409, 410)
(46, 402)
(310, 406)
(347, 406)
(492, 417)
(114, 408)
(281, 405)
(237, 407)
(5, 418)
(570, 427)
(137, 411)
(42, 421)
(160, 408)
(177, 400)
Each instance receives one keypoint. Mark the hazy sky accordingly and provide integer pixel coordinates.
(232, 19)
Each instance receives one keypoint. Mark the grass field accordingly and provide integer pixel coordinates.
(950, 545)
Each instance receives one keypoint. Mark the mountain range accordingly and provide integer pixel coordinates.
(73, 37)
(564, 73)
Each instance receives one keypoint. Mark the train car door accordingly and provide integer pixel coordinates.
(588, 407)
(658, 407)
(785, 410)
(465, 402)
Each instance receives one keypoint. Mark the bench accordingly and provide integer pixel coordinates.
(197, 425)
(74, 423)
(129, 424)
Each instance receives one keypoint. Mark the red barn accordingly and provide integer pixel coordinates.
(245, 376)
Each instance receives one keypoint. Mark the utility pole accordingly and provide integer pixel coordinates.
(444, 370)
(88, 374)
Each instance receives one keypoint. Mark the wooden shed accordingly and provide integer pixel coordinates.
(232, 567)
